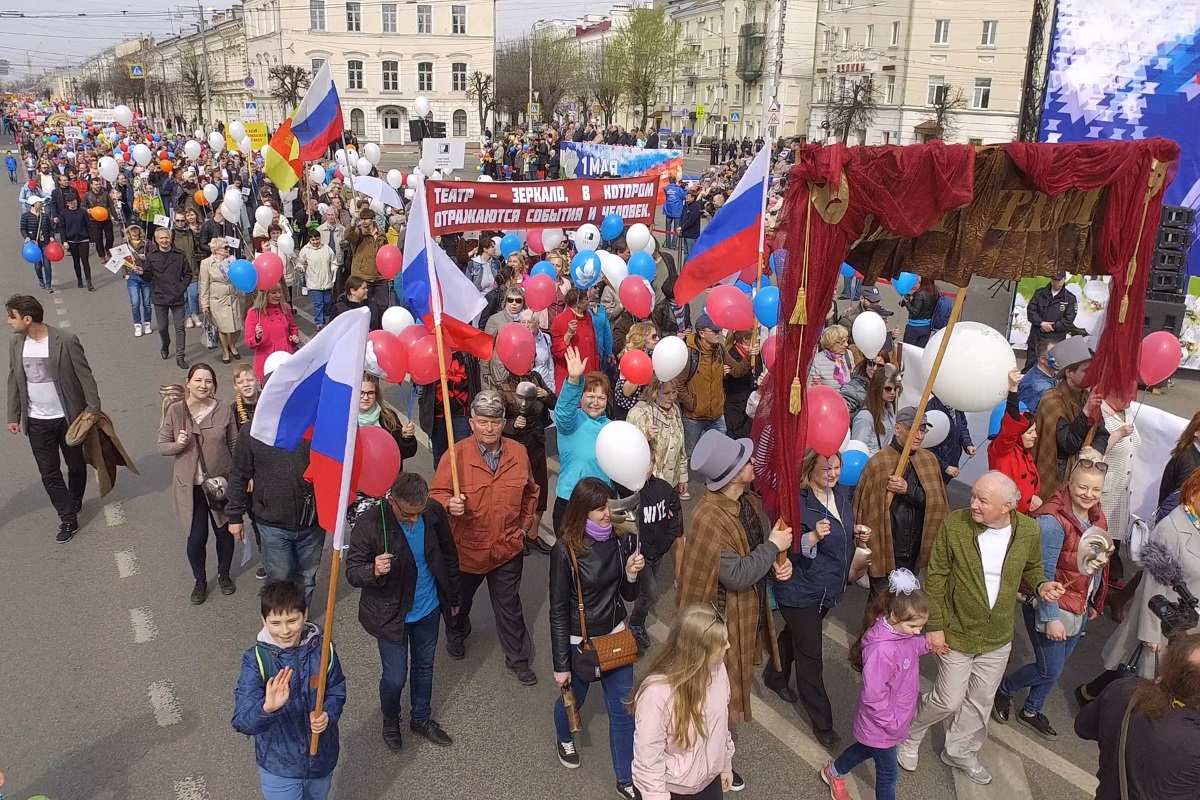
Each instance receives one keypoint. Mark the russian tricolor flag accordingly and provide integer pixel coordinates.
(732, 240)
(437, 291)
(317, 122)
(317, 389)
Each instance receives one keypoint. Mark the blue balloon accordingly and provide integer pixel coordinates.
(243, 275)
(544, 268)
(847, 270)
(612, 227)
(642, 264)
(510, 244)
(54, 138)
(998, 415)
(853, 462)
(746, 288)
(585, 269)
(31, 253)
(766, 306)
(904, 283)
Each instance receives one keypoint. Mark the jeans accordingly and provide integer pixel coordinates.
(437, 439)
(197, 542)
(292, 555)
(851, 287)
(275, 787)
(379, 293)
(47, 437)
(647, 593)
(322, 299)
(1040, 676)
(420, 646)
(45, 273)
(672, 230)
(693, 429)
(191, 300)
(164, 333)
(886, 768)
(617, 685)
(139, 299)
(688, 244)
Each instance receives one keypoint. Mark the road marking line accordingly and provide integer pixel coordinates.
(58, 301)
(127, 564)
(114, 514)
(190, 788)
(167, 710)
(64, 324)
(144, 629)
(62, 312)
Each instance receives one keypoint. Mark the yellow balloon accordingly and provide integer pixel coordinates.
(351, 147)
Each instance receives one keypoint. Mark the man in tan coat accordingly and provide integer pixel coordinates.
(365, 238)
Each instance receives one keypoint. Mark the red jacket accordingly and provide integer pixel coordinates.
(1066, 571)
(584, 339)
(1006, 454)
(278, 326)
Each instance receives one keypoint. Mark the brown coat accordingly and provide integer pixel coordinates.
(501, 506)
(365, 250)
(703, 396)
(872, 509)
(218, 436)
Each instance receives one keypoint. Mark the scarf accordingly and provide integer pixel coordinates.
(601, 533)
(840, 373)
(369, 418)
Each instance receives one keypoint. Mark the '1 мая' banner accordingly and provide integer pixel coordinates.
(456, 206)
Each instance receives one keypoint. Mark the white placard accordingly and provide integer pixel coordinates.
(113, 265)
(162, 220)
(233, 242)
(443, 153)
(121, 251)
(246, 192)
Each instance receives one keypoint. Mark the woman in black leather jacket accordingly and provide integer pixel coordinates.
(608, 567)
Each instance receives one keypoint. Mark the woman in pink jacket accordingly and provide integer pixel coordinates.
(270, 326)
(682, 749)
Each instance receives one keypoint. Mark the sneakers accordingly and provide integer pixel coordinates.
(227, 585)
(974, 771)
(456, 649)
(391, 735)
(568, 756)
(1001, 707)
(685, 496)
(146, 329)
(190, 322)
(837, 786)
(1039, 723)
(739, 783)
(629, 791)
(260, 573)
(66, 532)
(433, 732)
(199, 592)
(906, 756)
(525, 675)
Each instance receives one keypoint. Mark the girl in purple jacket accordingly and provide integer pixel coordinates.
(887, 653)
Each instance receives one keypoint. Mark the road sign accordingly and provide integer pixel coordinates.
(699, 113)
(774, 107)
(685, 113)
(773, 117)
(735, 116)
(535, 110)
(248, 82)
(250, 112)
(137, 72)
(572, 107)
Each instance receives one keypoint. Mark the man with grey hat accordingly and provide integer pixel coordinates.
(491, 517)
(1051, 313)
(1064, 425)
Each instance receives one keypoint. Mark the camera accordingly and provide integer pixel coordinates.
(1178, 617)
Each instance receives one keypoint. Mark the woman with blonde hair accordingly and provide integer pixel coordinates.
(833, 365)
(219, 298)
(659, 419)
(682, 747)
(135, 284)
(270, 326)
(642, 336)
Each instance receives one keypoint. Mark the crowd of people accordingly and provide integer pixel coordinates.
(942, 581)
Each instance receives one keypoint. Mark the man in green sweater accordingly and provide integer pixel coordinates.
(979, 561)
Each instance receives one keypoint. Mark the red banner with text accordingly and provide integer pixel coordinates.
(455, 206)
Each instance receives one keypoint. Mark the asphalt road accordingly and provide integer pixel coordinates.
(119, 689)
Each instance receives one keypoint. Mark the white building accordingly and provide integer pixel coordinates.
(383, 55)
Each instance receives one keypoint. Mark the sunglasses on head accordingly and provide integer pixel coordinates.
(1088, 463)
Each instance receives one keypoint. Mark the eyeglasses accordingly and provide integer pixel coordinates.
(365, 395)
(1088, 463)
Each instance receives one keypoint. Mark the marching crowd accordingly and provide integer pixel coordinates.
(945, 582)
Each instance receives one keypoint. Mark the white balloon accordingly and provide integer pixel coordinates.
(395, 178)
(939, 428)
(274, 360)
(70, 155)
(286, 245)
(396, 319)
(447, 172)
(377, 206)
(371, 152)
(233, 201)
(216, 142)
(123, 115)
(191, 149)
(437, 175)
(263, 215)
(289, 195)
(670, 357)
(237, 131)
(363, 167)
(421, 106)
(854, 444)
(109, 169)
(651, 246)
(869, 334)
(245, 145)
(352, 158)
(410, 193)
(587, 237)
(484, 179)
(199, 134)
(426, 167)
(624, 454)
(973, 375)
(418, 170)
(322, 209)
(552, 238)
(142, 154)
(316, 173)
(637, 237)
(211, 192)
(612, 266)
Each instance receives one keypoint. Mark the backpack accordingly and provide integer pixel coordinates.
(267, 667)
(941, 312)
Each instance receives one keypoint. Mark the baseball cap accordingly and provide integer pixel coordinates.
(704, 323)
(1061, 275)
(871, 295)
(906, 415)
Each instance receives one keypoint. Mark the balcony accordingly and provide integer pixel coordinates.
(752, 41)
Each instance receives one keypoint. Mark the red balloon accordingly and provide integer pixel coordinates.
(516, 348)
(768, 352)
(637, 296)
(269, 267)
(730, 308)
(389, 260)
(539, 292)
(1161, 354)
(533, 240)
(636, 367)
(413, 334)
(376, 461)
(423, 360)
(124, 147)
(390, 354)
(828, 419)
(54, 252)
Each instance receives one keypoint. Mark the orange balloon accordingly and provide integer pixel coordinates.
(99, 213)
(200, 199)
(165, 165)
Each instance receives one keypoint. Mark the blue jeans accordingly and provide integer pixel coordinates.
(693, 429)
(617, 685)
(886, 768)
(292, 555)
(688, 244)
(421, 645)
(321, 300)
(672, 230)
(191, 299)
(276, 788)
(44, 270)
(1040, 676)
(851, 287)
(437, 439)
(139, 299)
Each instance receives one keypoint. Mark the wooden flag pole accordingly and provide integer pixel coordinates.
(335, 570)
(437, 331)
(755, 327)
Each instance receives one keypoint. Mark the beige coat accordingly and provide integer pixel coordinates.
(225, 303)
(217, 435)
(670, 457)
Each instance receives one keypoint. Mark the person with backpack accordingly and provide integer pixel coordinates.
(921, 304)
(702, 397)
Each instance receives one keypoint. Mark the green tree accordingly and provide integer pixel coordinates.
(649, 48)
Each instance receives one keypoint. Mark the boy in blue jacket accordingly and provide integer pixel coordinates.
(10, 164)
(276, 693)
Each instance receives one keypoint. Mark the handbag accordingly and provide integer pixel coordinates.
(595, 656)
(216, 487)
(1129, 669)
(208, 332)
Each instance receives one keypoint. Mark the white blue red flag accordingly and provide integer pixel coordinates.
(317, 122)
(317, 390)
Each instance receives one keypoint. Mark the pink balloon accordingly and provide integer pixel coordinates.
(768, 352)
(636, 367)
(1160, 355)
(730, 308)
(423, 360)
(539, 292)
(389, 260)
(637, 296)
(533, 240)
(413, 334)
(269, 267)
(376, 461)
(516, 348)
(390, 354)
(828, 418)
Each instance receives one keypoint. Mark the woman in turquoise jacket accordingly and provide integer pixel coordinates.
(579, 415)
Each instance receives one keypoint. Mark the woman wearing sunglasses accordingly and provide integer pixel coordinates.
(873, 425)
(493, 373)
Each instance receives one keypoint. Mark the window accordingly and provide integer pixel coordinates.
(845, 38)
(317, 63)
(316, 15)
(887, 137)
(354, 17)
(889, 90)
(828, 41)
(391, 76)
(989, 33)
(389, 17)
(458, 76)
(841, 88)
(458, 19)
(895, 40)
(823, 90)
(829, 5)
(941, 31)
(459, 124)
(354, 74)
(424, 19)
(358, 122)
(870, 36)
(935, 90)
(425, 76)
(975, 142)
(983, 93)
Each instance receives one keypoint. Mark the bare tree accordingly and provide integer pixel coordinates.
(288, 83)
(480, 89)
(948, 103)
(602, 74)
(556, 63)
(89, 88)
(852, 107)
(191, 82)
(649, 49)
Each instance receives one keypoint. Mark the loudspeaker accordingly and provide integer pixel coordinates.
(1170, 238)
(1178, 217)
(1169, 261)
(416, 130)
(1164, 315)
(1172, 283)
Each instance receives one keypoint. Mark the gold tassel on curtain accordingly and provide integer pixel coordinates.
(1158, 173)
(800, 311)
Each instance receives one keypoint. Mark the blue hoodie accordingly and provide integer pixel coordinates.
(673, 206)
